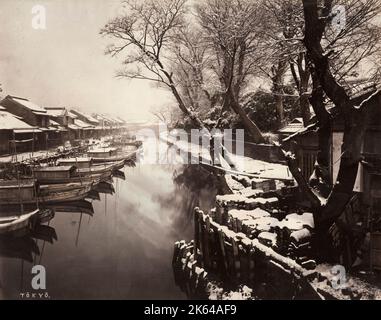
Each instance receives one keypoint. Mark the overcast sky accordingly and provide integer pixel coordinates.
(65, 64)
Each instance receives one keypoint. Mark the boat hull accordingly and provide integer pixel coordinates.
(94, 178)
(53, 197)
(15, 223)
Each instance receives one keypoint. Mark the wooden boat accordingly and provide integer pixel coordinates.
(27, 192)
(109, 154)
(96, 169)
(80, 162)
(64, 196)
(84, 164)
(14, 223)
(60, 187)
(65, 174)
(16, 191)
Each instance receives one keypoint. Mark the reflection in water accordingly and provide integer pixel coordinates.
(124, 249)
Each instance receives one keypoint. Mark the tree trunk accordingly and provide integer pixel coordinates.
(342, 191)
(254, 131)
(277, 80)
(303, 94)
(354, 119)
(232, 101)
(321, 178)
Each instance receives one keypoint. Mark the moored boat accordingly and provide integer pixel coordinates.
(80, 162)
(60, 187)
(24, 192)
(17, 222)
(96, 169)
(66, 174)
(109, 154)
(17, 191)
(63, 196)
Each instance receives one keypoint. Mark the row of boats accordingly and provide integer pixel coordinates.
(67, 180)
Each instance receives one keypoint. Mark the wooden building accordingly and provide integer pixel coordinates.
(32, 114)
(15, 134)
(363, 212)
(304, 142)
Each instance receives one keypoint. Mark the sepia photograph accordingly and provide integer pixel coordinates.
(209, 150)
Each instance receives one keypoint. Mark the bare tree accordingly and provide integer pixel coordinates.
(143, 33)
(231, 30)
(284, 32)
(190, 62)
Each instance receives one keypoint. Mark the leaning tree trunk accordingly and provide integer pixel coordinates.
(231, 100)
(250, 126)
(354, 118)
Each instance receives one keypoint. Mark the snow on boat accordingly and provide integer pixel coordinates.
(14, 223)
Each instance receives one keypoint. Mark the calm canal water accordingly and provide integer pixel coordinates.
(124, 250)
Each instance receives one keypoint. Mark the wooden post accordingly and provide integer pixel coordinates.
(196, 233)
(206, 241)
(236, 261)
(221, 237)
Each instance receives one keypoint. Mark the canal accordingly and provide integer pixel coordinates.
(124, 249)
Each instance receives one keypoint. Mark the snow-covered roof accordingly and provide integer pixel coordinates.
(53, 123)
(82, 124)
(85, 115)
(359, 87)
(121, 121)
(106, 118)
(73, 127)
(56, 111)
(292, 127)
(29, 104)
(9, 122)
(56, 126)
(72, 115)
